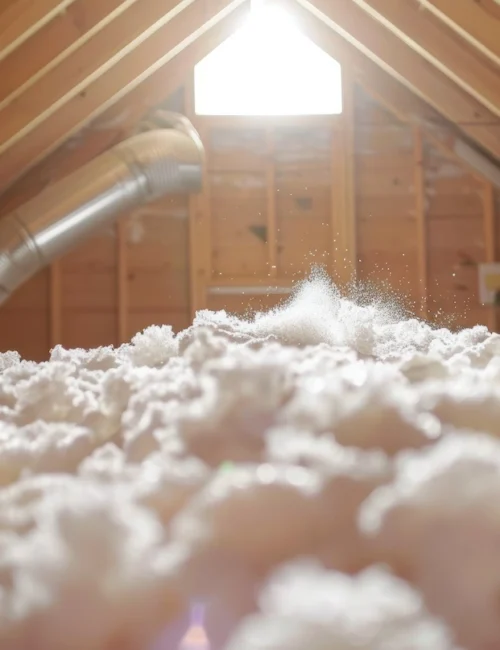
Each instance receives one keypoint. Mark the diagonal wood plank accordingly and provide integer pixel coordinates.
(141, 22)
(159, 52)
(56, 39)
(23, 18)
(477, 22)
(153, 90)
(440, 46)
(380, 85)
(394, 56)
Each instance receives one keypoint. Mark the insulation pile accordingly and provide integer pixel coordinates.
(322, 476)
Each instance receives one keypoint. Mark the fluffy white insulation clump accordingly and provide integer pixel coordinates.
(324, 476)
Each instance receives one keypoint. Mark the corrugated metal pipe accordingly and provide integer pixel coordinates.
(144, 168)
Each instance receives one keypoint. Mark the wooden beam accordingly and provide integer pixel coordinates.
(55, 303)
(418, 158)
(389, 52)
(379, 84)
(238, 122)
(23, 18)
(347, 131)
(272, 229)
(438, 45)
(57, 39)
(342, 200)
(122, 281)
(200, 218)
(128, 75)
(477, 22)
(156, 88)
(350, 219)
(490, 241)
(141, 27)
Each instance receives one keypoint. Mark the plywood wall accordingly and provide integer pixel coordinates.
(272, 208)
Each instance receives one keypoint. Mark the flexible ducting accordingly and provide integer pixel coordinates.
(144, 168)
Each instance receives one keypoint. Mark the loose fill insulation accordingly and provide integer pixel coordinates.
(324, 476)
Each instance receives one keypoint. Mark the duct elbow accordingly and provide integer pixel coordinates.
(164, 161)
(139, 170)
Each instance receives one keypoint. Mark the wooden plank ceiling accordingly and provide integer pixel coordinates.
(73, 68)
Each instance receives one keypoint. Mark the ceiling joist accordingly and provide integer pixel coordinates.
(394, 56)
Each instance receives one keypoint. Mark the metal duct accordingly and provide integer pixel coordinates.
(138, 170)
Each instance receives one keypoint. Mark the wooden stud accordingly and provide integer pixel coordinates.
(350, 204)
(55, 304)
(336, 204)
(422, 266)
(343, 202)
(490, 241)
(200, 222)
(196, 288)
(272, 242)
(122, 281)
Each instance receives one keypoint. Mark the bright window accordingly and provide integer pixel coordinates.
(268, 68)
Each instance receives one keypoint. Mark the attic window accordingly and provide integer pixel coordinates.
(268, 68)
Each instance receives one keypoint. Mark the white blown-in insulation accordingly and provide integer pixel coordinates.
(325, 476)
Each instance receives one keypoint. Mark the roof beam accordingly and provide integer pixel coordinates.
(147, 76)
(23, 18)
(477, 22)
(388, 51)
(389, 92)
(57, 39)
(140, 24)
(441, 47)
(155, 89)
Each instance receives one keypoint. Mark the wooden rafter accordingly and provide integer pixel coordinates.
(55, 41)
(440, 46)
(379, 84)
(145, 61)
(477, 22)
(22, 18)
(394, 56)
(138, 29)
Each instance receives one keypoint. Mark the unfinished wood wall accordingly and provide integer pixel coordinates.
(276, 202)
(267, 209)
(422, 220)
